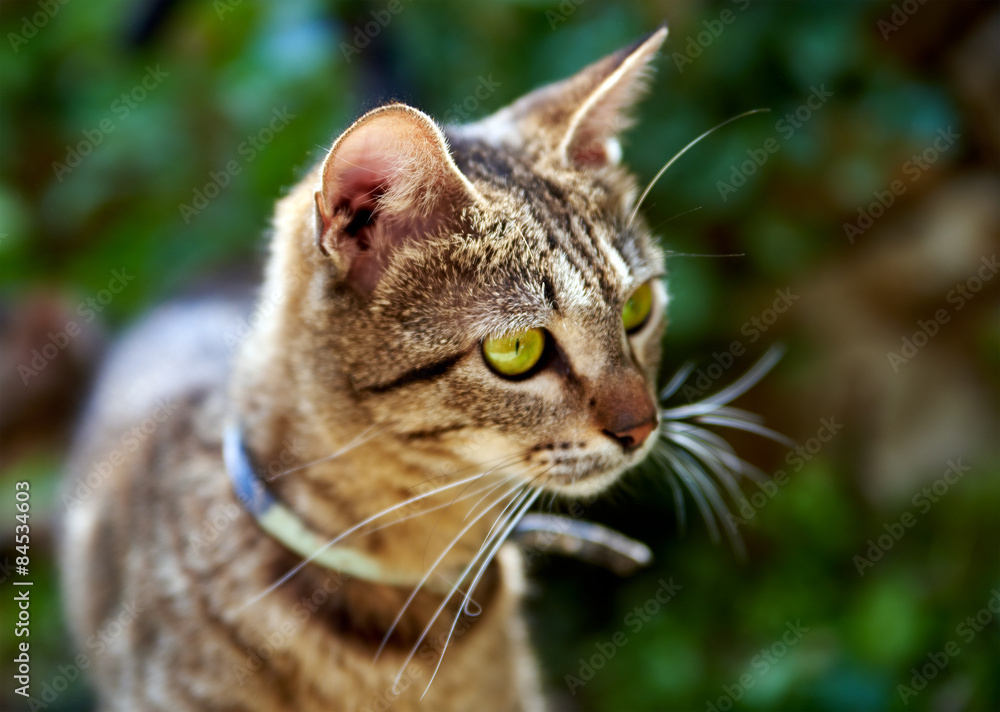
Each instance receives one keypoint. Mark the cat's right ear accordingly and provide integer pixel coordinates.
(577, 121)
(388, 180)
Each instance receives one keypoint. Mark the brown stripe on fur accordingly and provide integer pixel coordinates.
(424, 373)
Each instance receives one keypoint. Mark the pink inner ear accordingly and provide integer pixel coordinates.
(367, 185)
(588, 145)
(592, 107)
(360, 188)
(590, 155)
(388, 180)
(354, 182)
(360, 174)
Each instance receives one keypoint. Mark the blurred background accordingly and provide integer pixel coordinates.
(144, 144)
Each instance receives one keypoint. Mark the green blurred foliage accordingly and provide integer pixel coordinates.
(230, 65)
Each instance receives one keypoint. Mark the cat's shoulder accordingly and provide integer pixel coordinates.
(176, 360)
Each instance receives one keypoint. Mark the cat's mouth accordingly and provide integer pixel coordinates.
(584, 473)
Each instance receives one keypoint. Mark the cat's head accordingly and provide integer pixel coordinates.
(485, 291)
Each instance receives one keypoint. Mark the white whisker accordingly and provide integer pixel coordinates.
(680, 153)
(350, 446)
(504, 460)
(463, 495)
(694, 455)
(727, 411)
(722, 473)
(679, 508)
(677, 381)
(340, 537)
(755, 428)
(721, 449)
(519, 499)
(715, 500)
(437, 562)
(492, 488)
(489, 534)
(693, 486)
(514, 519)
(749, 379)
(678, 215)
(498, 485)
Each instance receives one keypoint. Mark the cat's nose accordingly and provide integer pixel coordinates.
(632, 438)
(624, 410)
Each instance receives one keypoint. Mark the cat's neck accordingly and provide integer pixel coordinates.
(336, 476)
(335, 481)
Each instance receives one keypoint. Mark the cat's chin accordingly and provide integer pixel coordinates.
(586, 474)
(583, 479)
(582, 486)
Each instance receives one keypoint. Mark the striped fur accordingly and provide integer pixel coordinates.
(390, 263)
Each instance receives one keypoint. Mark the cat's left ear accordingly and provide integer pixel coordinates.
(389, 180)
(578, 119)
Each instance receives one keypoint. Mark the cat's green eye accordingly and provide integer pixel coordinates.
(516, 354)
(637, 308)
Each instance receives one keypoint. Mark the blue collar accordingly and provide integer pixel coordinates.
(558, 534)
(286, 527)
(247, 484)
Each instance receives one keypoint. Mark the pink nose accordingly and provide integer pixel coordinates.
(631, 438)
(623, 408)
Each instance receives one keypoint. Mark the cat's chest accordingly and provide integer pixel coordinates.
(332, 658)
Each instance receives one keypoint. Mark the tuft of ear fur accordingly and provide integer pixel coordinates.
(577, 120)
(387, 180)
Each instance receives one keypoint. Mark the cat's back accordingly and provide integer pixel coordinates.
(181, 348)
(165, 379)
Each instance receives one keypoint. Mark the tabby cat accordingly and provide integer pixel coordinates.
(305, 516)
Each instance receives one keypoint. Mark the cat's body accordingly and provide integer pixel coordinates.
(393, 266)
(175, 571)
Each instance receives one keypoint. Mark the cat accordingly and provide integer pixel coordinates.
(453, 320)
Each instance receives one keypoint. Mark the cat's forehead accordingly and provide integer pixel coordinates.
(549, 244)
(545, 188)
(495, 285)
(565, 239)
